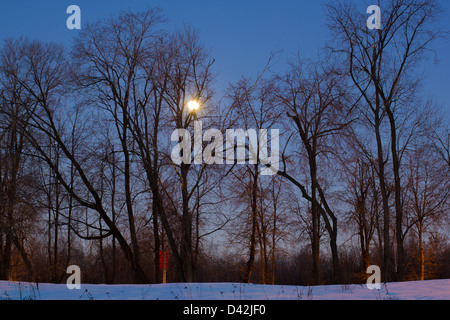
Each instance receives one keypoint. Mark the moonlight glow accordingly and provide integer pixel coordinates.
(193, 105)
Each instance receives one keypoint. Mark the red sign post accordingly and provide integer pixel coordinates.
(164, 263)
(163, 260)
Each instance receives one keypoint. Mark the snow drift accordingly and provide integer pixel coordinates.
(414, 290)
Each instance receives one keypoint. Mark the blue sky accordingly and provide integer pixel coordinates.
(240, 33)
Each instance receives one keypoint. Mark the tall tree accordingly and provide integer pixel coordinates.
(427, 193)
(314, 98)
(15, 177)
(382, 64)
(254, 107)
(191, 79)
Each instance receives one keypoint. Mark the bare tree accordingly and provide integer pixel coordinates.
(48, 69)
(441, 143)
(382, 65)
(254, 106)
(427, 193)
(191, 78)
(15, 177)
(314, 99)
(362, 197)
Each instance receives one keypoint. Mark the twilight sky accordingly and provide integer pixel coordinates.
(240, 33)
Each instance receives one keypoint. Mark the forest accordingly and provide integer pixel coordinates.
(87, 176)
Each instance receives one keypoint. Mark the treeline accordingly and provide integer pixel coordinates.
(87, 176)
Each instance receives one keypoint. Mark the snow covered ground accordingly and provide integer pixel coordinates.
(415, 290)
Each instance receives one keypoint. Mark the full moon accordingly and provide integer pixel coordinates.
(193, 105)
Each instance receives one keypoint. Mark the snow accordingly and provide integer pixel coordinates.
(414, 290)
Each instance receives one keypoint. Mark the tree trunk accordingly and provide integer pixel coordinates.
(128, 196)
(157, 243)
(186, 244)
(254, 221)
(398, 196)
(335, 253)
(153, 183)
(421, 252)
(6, 257)
(274, 239)
(385, 200)
(315, 241)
